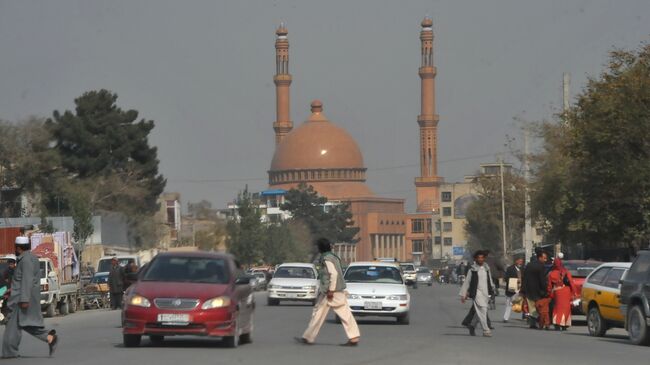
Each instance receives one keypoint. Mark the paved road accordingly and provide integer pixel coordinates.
(434, 337)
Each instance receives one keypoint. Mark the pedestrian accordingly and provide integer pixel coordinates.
(116, 278)
(332, 295)
(512, 276)
(559, 285)
(130, 274)
(479, 287)
(535, 290)
(5, 281)
(25, 304)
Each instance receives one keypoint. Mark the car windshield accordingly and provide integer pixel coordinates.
(407, 267)
(581, 269)
(373, 274)
(423, 270)
(41, 265)
(105, 264)
(295, 272)
(188, 269)
(99, 279)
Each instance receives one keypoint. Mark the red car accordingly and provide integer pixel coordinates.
(579, 270)
(189, 293)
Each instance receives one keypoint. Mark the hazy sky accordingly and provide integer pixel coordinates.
(203, 71)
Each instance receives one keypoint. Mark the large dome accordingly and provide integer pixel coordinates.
(321, 154)
(317, 144)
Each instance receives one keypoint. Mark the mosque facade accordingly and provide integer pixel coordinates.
(324, 155)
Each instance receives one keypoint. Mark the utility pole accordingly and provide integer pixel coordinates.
(528, 227)
(566, 95)
(503, 211)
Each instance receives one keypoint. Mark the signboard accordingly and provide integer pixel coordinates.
(458, 251)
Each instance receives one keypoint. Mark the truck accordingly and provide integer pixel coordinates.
(59, 279)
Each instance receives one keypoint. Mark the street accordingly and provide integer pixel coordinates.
(434, 336)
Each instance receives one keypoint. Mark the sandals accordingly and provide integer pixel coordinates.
(55, 341)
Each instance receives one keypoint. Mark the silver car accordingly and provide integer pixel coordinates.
(424, 276)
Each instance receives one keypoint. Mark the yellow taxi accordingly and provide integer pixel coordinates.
(601, 295)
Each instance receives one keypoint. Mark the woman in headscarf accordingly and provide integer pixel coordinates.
(559, 287)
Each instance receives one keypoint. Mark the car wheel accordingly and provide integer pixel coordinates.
(430, 284)
(595, 323)
(246, 338)
(131, 340)
(231, 341)
(72, 304)
(64, 308)
(50, 311)
(404, 319)
(637, 328)
(272, 302)
(337, 319)
(314, 302)
(156, 339)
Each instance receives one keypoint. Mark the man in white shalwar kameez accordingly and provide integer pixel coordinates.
(479, 287)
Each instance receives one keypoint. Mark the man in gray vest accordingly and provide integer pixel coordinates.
(479, 287)
(25, 303)
(332, 295)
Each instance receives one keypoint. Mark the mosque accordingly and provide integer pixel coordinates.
(322, 154)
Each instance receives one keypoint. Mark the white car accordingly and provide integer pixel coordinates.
(377, 289)
(294, 282)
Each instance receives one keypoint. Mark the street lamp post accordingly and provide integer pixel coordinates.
(503, 210)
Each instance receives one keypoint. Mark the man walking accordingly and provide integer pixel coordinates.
(535, 290)
(116, 279)
(25, 304)
(479, 287)
(332, 295)
(513, 284)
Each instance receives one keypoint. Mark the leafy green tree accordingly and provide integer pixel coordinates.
(484, 215)
(83, 219)
(592, 181)
(308, 208)
(245, 232)
(108, 148)
(27, 164)
(284, 243)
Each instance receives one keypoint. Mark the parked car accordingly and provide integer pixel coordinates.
(189, 293)
(635, 299)
(424, 276)
(377, 289)
(579, 270)
(294, 282)
(600, 297)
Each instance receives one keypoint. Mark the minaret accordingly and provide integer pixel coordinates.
(426, 185)
(282, 80)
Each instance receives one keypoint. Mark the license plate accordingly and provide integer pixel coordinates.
(372, 305)
(174, 319)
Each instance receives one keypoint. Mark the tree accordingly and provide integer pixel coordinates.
(245, 232)
(83, 219)
(27, 164)
(484, 215)
(592, 178)
(107, 148)
(307, 207)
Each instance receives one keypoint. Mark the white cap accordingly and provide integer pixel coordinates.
(560, 255)
(22, 240)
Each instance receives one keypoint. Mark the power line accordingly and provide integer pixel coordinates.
(208, 181)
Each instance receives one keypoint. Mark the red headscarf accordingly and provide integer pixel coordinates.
(557, 265)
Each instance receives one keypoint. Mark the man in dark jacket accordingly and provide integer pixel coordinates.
(534, 287)
(513, 272)
(116, 279)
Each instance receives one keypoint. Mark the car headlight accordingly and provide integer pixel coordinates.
(139, 301)
(270, 286)
(309, 287)
(397, 297)
(354, 296)
(218, 302)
